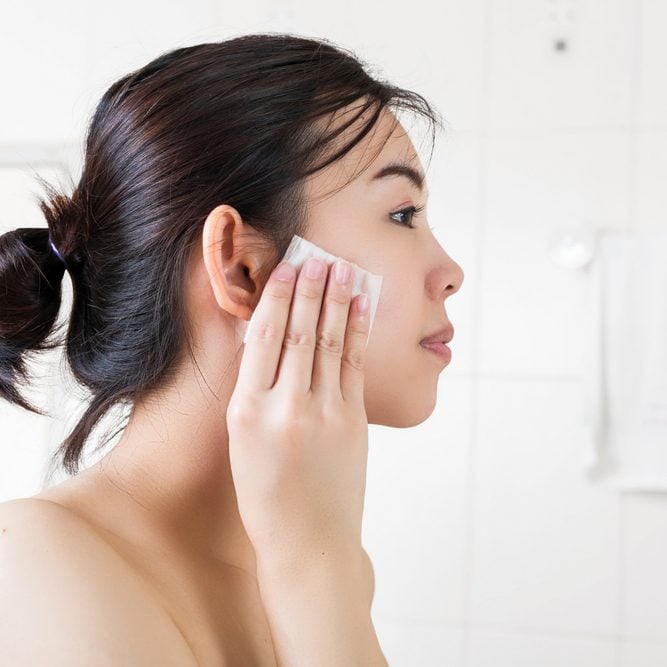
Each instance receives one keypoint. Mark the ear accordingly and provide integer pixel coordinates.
(231, 260)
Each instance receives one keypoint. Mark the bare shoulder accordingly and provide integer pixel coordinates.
(67, 598)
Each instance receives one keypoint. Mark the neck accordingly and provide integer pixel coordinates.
(171, 466)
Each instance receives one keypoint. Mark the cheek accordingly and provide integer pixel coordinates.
(395, 318)
(395, 328)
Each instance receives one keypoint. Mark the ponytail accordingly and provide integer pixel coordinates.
(30, 296)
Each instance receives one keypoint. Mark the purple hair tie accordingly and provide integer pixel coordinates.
(55, 250)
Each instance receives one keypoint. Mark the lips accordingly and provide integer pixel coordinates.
(443, 335)
(440, 349)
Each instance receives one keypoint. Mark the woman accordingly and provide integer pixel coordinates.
(224, 527)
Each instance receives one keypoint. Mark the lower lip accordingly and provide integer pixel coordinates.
(439, 349)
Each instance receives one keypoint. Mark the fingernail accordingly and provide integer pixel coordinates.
(314, 268)
(362, 304)
(285, 272)
(343, 272)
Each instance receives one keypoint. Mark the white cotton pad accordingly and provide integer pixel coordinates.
(300, 250)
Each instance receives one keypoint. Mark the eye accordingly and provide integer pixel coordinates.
(412, 211)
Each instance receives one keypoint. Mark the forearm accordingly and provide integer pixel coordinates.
(319, 615)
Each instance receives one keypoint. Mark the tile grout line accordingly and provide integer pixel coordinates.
(633, 173)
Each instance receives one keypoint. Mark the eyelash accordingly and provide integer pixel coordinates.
(415, 210)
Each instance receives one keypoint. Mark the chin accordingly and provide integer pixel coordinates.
(402, 416)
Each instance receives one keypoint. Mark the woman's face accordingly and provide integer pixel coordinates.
(360, 223)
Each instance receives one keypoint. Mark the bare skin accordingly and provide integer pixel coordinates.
(164, 497)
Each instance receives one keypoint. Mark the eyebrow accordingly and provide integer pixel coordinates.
(401, 169)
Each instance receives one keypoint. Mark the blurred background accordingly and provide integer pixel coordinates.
(500, 534)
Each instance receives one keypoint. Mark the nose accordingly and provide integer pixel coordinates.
(447, 278)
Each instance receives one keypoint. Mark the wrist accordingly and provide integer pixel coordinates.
(318, 611)
(344, 564)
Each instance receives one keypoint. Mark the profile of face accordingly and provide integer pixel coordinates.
(363, 223)
(355, 213)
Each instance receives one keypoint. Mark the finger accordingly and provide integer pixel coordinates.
(261, 355)
(354, 353)
(296, 362)
(331, 332)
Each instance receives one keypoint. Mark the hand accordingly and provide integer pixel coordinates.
(298, 430)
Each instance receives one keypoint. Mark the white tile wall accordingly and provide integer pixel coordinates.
(652, 75)
(545, 542)
(650, 178)
(643, 654)
(643, 558)
(416, 507)
(116, 46)
(43, 55)
(489, 545)
(531, 310)
(532, 86)
(493, 648)
(435, 48)
(424, 644)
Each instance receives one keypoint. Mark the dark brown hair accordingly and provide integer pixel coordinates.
(227, 122)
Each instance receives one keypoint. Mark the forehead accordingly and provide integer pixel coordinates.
(387, 142)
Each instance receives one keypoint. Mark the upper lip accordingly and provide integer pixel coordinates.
(443, 335)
